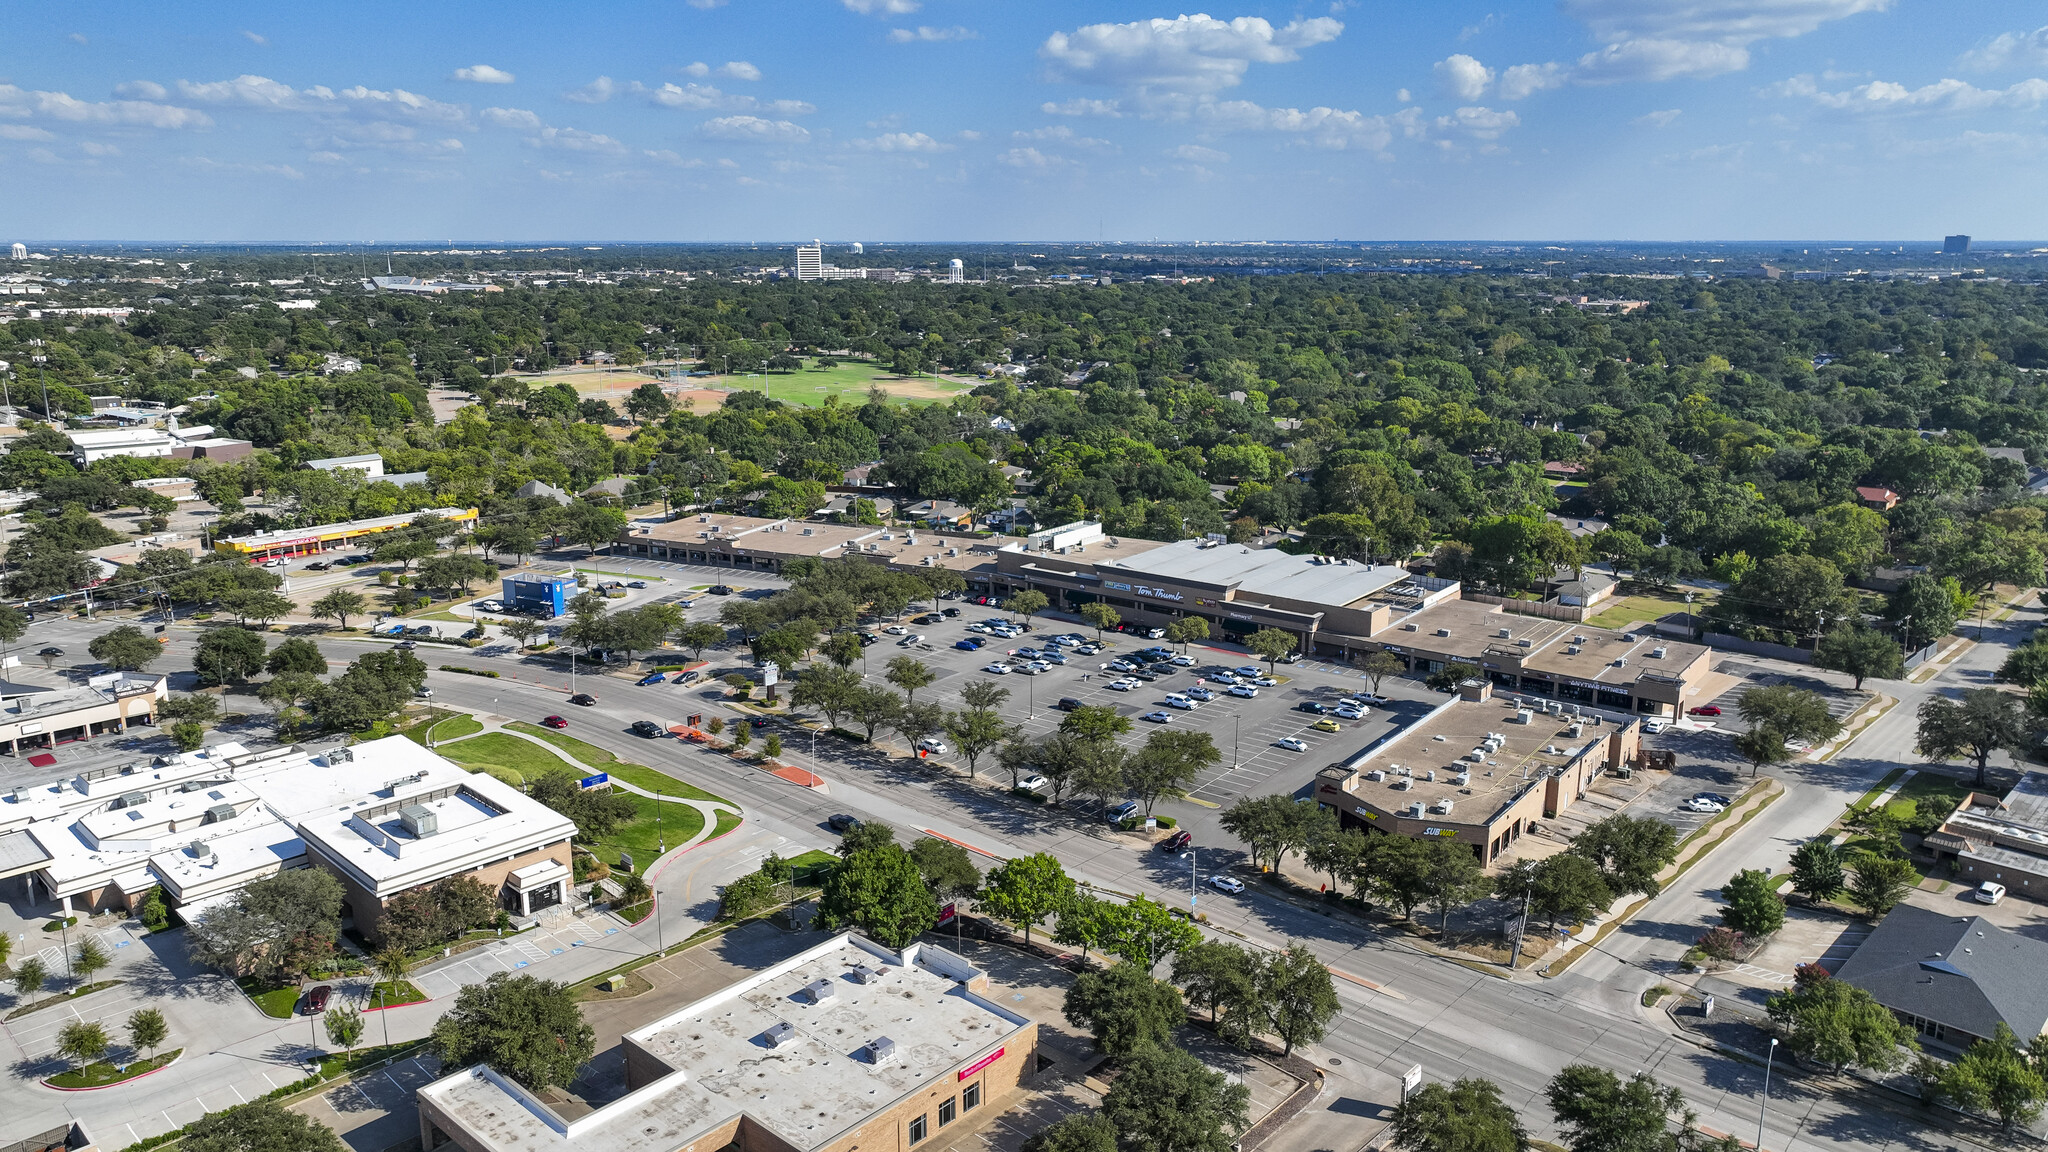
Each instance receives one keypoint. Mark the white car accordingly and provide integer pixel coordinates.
(1181, 702)
(1124, 685)
(278, 562)
(1265, 682)
(933, 745)
(1244, 690)
(1161, 717)
(1343, 713)
(895, 629)
(1088, 649)
(913, 638)
(1701, 804)
(1226, 884)
(996, 669)
(1182, 661)
(1201, 694)
(1034, 783)
(1990, 892)
(1350, 702)
(1292, 744)
(1653, 727)
(1247, 670)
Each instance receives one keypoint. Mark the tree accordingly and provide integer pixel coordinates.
(2026, 665)
(1168, 763)
(1217, 975)
(946, 868)
(596, 812)
(1832, 1022)
(1166, 1100)
(344, 1024)
(256, 604)
(1996, 1076)
(265, 1126)
(1753, 907)
(1448, 677)
(274, 928)
(1334, 851)
(1880, 883)
(147, 1030)
(1100, 617)
(1299, 998)
(1817, 870)
(29, 977)
(297, 654)
(1187, 630)
(1124, 1008)
(1027, 890)
(1629, 850)
(872, 707)
(841, 648)
(1377, 666)
(1778, 714)
(1270, 644)
(1028, 603)
(196, 707)
(1449, 877)
(82, 1040)
(1467, 1115)
(524, 631)
(524, 1027)
(1095, 722)
(89, 958)
(1984, 722)
(1141, 930)
(828, 689)
(1563, 887)
(909, 674)
(1270, 826)
(700, 635)
(647, 402)
(339, 605)
(1078, 1132)
(228, 655)
(978, 730)
(1924, 609)
(1597, 1111)
(880, 891)
(125, 649)
(1861, 652)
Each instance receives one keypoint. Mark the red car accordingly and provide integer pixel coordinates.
(316, 1000)
(1704, 710)
(554, 722)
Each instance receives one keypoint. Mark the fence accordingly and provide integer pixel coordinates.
(1727, 643)
(1576, 615)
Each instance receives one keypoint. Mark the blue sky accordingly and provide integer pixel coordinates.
(986, 119)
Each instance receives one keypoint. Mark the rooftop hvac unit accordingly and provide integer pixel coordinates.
(1525, 643)
(191, 785)
(820, 991)
(704, 519)
(1404, 770)
(1476, 755)
(862, 974)
(1443, 631)
(1524, 716)
(1411, 627)
(807, 531)
(1403, 784)
(419, 820)
(1432, 775)
(779, 1033)
(1578, 639)
(952, 551)
(341, 756)
(1462, 779)
(219, 813)
(200, 850)
(1375, 775)
(1571, 649)
(1415, 809)
(1575, 730)
(880, 1050)
(1442, 807)
(1621, 662)
(133, 799)
(1656, 653)
(1507, 633)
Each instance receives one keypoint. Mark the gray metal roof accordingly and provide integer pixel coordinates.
(1264, 571)
(1963, 971)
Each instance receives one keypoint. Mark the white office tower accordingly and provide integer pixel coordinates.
(956, 272)
(20, 251)
(858, 248)
(810, 261)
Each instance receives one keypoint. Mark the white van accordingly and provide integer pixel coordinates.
(1176, 700)
(1990, 893)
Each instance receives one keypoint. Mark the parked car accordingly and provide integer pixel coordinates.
(1088, 649)
(583, 699)
(1990, 892)
(646, 728)
(841, 822)
(1182, 661)
(1123, 811)
(1121, 665)
(1159, 717)
(1704, 710)
(316, 1000)
(996, 669)
(968, 645)
(913, 638)
(1327, 725)
(553, 722)
(636, 583)
(1292, 743)
(1051, 657)
(1178, 841)
(1652, 727)
(1265, 682)
(1121, 685)
(1350, 714)
(1716, 797)
(896, 630)
(1248, 670)
(1067, 704)
(1244, 690)
(318, 566)
(653, 678)
(1226, 884)
(1200, 693)
(1374, 699)
(1312, 707)
(933, 745)
(719, 590)
(1034, 783)
(1700, 804)
(927, 618)
(949, 613)
(867, 638)
(682, 678)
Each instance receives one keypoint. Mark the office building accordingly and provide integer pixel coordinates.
(19, 251)
(325, 537)
(2000, 839)
(546, 595)
(1952, 978)
(847, 1046)
(108, 704)
(1478, 769)
(91, 445)
(1955, 245)
(370, 464)
(809, 259)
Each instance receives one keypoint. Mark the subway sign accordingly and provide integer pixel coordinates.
(1439, 831)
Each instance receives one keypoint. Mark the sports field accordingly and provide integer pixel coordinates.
(849, 381)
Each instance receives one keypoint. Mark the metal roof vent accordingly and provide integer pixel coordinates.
(820, 991)
(1443, 631)
(419, 820)
(219, 813)
(132, 799)
(779, 1034)
(880, 1050)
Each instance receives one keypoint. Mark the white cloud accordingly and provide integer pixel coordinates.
(1653, 60)
(1067, 136)
(1029, 158)
(1187, 55)
(739, 70)
(1330, 128)
(510, 118)
(1480, 123)
(254, 38)
(78, 38)
(325, 157)
(705, 98)
(756, 129)
(926, 34)
(705, 3)
(1463, 77)
(901, 142)
(1083, 107)
(1198, 154)
(1525, 80)
(24, 132)
(95, 148)
(1726, 21)
(2012, 49)
(596, 92)
(882, 7)
(575, 140)
(482, 74)
(1403, 95)
(1659, 119)
(23, 103)
(263, 92)
(142, 90)
(1880, 96)
(699, 69)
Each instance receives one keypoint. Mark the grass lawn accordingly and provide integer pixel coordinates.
(1928, 791)
(849, 380)
(460, 724)
(643, 836)
(341, 1062)
(727, 821)
(811, 865)
(638, 775)
(276, 1002)
(102, 1074)
(501, 754)
(387, 992)
(1640, 608)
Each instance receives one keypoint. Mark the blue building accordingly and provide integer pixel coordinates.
(548, 595)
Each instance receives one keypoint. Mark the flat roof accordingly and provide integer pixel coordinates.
(258, 541)
(906, 547)
(1590, 654)
(1262, 571)
(1473, 628)
(809, 1089)
(1443, 744)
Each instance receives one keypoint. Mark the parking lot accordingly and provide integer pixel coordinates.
(1245, 731)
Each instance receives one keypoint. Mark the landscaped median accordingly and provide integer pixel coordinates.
(394, 994)
(105, 1075)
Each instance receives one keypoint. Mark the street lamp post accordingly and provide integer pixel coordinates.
(1193, 894)
(1765, 1105)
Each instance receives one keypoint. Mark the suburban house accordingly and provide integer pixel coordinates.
(1953, 978)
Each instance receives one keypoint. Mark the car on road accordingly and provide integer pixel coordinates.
(996, 669)
(316, 1000)
(1034, 783)
(1244, 690)
(1200, 693)
(51, 652)
(1704, 710)
(1701, 804)
(318, 566)
(1291, 743)
(841, 822)
(1122, 685)
(583, 699)
(653, 678)
(1177, 842)
(758, 723)
(636, 583)
(646, 728)
(1990, 892)
(1327, 725)
(896, 630)
(1160, 717)
(933, 745)
(1349, 714)
(913, 638)
(1248, 670)
(1715, 797)
(423, 693)
(1312, 707)
(1226, 884)
(720, 590)
(352, 561)
(968, 645)
(553, 722)
(1653, 727)
(405, 645)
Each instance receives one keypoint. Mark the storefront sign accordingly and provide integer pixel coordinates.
(1590, 685)
(1439, 831)
(978, 1065)
(1366, 812)
(1142, 590)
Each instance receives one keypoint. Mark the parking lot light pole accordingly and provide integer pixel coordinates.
(1193, 895)
(1765, 1105)
(1236, 746)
